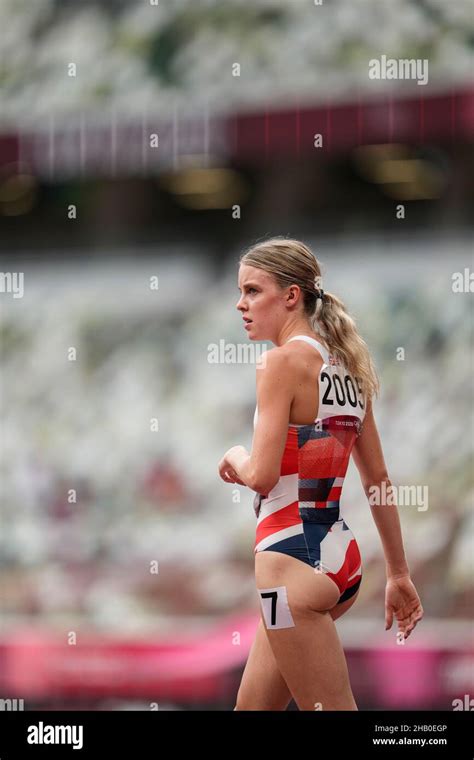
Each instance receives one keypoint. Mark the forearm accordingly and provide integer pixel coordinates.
(385, 513)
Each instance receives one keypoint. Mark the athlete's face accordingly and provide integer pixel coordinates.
(261, 301)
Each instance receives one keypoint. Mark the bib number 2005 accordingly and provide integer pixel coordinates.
(340, 392)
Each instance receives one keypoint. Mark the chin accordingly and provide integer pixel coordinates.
(255, 335)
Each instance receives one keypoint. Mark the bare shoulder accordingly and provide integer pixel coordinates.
(302, 354)
(274, 360)
(288, 364)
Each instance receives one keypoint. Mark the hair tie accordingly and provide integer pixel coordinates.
(317, 286)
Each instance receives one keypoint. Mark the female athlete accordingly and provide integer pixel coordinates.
(314, 409)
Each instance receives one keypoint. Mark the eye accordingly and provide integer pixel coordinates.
(250, 290)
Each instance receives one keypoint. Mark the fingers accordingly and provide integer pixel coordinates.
(388, 618)
(407, 618)
(408, 623)
(229, 476)
(232, 476)
(227, 473)
(415, 618)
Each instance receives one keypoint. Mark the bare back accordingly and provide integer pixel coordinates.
(306, 365)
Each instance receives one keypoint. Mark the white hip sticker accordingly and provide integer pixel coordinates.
(276, 610)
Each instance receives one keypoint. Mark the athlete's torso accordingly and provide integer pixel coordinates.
(316, 455)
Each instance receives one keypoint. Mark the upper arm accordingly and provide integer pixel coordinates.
(274, 398)
(367, 452)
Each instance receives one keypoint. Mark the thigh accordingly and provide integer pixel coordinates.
(300, 606)
(262, 686)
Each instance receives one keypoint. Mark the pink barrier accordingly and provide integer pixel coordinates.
(34, 664)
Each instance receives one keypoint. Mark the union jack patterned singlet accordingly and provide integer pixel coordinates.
(300, 516)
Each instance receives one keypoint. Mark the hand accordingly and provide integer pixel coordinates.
(226, 471)
(402, 600)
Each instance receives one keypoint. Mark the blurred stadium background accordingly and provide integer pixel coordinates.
(140, 593)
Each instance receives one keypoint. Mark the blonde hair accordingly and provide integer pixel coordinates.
(292, 263)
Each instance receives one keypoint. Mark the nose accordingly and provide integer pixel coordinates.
(239, 305)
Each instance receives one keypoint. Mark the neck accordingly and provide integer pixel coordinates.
(289, 331)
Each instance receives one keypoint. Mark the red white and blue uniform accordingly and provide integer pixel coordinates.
(300, 516)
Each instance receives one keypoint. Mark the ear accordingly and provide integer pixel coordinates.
(292, 294)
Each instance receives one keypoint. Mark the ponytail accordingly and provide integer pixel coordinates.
(334, 323)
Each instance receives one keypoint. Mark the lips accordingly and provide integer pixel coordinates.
(247, 320)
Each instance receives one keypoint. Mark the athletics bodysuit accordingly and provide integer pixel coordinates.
(300, 516)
